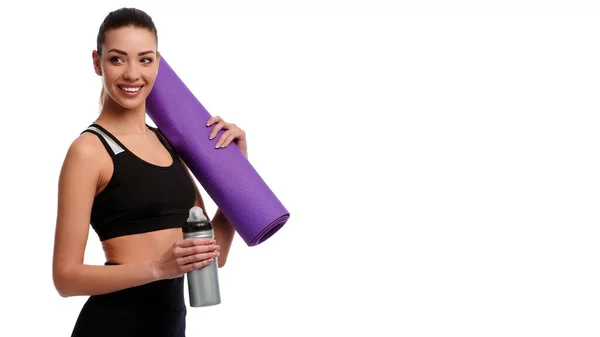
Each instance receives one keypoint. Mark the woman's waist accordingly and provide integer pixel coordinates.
(140, 247)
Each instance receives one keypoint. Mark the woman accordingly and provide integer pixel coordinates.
(122, 177)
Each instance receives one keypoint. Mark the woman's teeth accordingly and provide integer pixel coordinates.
(129, 89)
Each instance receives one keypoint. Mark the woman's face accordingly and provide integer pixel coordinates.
(128, 65)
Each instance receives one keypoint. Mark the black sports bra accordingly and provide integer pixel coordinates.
(140, 196)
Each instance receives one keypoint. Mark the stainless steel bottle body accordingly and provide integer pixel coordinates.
(203, 283)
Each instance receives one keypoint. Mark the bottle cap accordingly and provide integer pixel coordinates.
(196, 221)
(196, 214)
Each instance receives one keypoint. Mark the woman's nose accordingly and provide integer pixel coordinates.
(131, 72)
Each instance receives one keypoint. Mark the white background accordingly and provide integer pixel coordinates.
(439, 160)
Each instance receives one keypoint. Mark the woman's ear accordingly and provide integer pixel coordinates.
(157, 61)
(96, 61)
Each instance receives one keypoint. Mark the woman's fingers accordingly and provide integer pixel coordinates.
(182, 261)
(197, 265)
(220, 124)
(192, 242)
(229, 136)
(225, 139)
(213, 120)
(182, 252)
(216, 130)
(232, 131)
(186, 255)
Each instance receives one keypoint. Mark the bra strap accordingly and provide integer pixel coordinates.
(110, 144)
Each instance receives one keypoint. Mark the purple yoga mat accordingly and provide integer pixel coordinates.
(227, 176)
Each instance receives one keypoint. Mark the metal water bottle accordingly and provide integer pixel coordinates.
(203, 283)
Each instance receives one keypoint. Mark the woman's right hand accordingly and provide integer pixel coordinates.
(186, 255)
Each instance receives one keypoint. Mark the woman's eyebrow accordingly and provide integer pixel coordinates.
(124, 53)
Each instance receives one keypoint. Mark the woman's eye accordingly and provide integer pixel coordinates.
(116, 59)
(147, 60)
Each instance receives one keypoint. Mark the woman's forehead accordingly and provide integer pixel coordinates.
(130, 38)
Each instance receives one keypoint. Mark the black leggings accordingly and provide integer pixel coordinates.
(151, 310)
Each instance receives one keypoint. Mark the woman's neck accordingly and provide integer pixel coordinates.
(125, 121)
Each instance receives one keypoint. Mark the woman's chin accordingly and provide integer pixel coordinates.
(130, 104)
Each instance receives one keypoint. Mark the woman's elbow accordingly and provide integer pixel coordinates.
(221, 261)
(61, 284)
(62, 293)
(62, 290)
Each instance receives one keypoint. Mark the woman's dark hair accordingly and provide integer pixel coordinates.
(124, 17)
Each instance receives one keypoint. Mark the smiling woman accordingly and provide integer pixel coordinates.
(123, 178)
(127, 70)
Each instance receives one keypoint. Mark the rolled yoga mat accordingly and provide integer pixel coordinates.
(227, 176)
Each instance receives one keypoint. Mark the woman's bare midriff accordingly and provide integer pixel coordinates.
(140, 247)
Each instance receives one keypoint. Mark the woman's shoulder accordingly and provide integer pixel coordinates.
(86, 148)
(85, 143)
(83, 166)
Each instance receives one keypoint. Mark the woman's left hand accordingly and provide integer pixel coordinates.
(232, 134)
